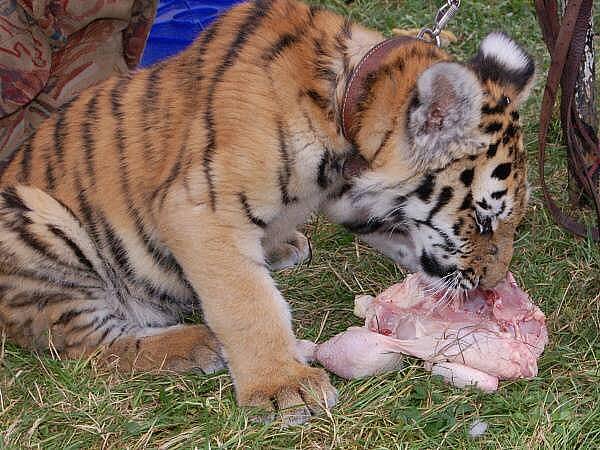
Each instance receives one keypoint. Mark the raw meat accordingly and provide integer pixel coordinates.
(486, 336)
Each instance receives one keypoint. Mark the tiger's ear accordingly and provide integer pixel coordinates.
(501, 60)
(444, 116)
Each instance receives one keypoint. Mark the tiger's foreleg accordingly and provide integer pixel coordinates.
(223, 259)
(283, 245)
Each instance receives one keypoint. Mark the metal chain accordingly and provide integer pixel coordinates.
(443, 16)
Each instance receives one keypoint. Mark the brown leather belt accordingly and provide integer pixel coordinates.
(566, 44)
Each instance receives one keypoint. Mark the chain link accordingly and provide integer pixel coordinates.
(443, 16)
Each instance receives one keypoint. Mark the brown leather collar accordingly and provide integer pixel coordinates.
(355, 85)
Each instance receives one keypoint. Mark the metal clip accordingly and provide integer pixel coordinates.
(443, 16)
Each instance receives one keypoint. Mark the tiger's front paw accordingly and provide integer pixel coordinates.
(290, 253)
(296, 393)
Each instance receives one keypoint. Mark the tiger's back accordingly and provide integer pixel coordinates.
(112, 155)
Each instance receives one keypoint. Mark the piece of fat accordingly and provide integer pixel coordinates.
(463, 376)
(361, 304)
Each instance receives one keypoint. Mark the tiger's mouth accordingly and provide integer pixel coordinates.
(453, 287)
(454, 292)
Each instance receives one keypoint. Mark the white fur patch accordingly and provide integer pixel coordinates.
(505, 51)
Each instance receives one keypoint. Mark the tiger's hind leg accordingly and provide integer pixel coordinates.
(56, 292)
(180, 348)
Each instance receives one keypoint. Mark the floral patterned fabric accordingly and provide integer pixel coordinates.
(50, 50)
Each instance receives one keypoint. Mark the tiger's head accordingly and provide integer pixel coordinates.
(439, 181)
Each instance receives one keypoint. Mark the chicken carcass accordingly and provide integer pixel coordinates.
(488, 335)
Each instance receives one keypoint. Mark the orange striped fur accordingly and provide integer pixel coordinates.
(177, 189)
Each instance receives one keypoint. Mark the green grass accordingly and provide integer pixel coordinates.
(48, 403)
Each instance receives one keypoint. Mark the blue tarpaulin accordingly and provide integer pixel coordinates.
(177, 24)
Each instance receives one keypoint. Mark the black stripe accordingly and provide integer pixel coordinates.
(83, 260)
(370, 226)
(492, 149)
(510, 132)
(86, 210)
(52, 299)
(467, 202)
(80, 328)
(151, 92)
(60, 134)
(252, 22)
(502, 209)
(322, 179)
(98, 325)
(50, 178)
(161, 257)
(4, 163)
(52, 280)
(34, 243)
(432, 267)
(25, 172)
(23, 299)
(457, 226)
(340, 193)
(322, 62)
(286, 171)
(207, 36)
(121, 332)
(4, 288)
(105, 333)
(367, 96)
(12, 200)
(314, 10)
(443, 199)
(321, 102)
(116, 247)
(148, 105)
(342, 36)
(248, 211)
(499, 108)
(383, 143)
(164, 187)
(345, 30)
(39, 299)
(68, 316)
(285, 41)
(483, 204)
(502, 171)
(493, 127)
(425, 189)
(488, 67)
(87, 135)
(499, 194)
(119, 133)
(466, 177)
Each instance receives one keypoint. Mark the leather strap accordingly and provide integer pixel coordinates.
(370, 63)
(566, 44)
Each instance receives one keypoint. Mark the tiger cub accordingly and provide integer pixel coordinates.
(178, 188)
